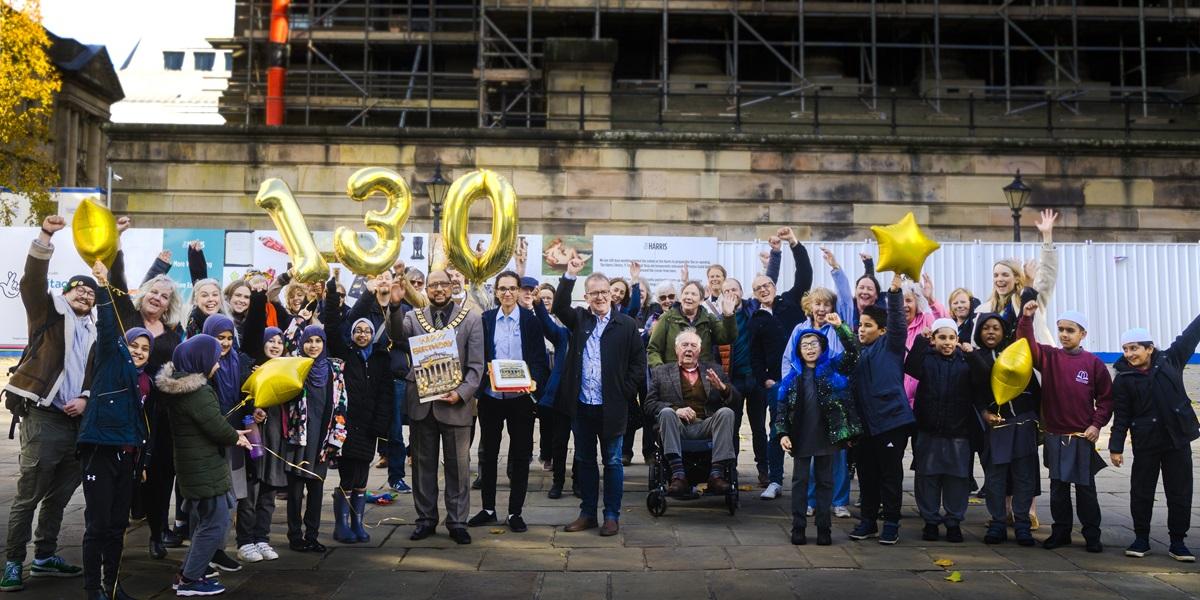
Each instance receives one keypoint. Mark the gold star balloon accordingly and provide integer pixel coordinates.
(1012, 371)
(94, 229)
(903, 247)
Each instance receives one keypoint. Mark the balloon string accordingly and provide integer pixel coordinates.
(237, 406)
(1025, 422)
(349, 506)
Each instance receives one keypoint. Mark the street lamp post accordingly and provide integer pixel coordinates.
(436, 188)
(1017, 194)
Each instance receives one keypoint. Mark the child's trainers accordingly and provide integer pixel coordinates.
(1180, 552)
(891, 533)
(199, 587)
(54, 566)
(865, 529)
(401, 487)
(11, 582)
(1139, 548)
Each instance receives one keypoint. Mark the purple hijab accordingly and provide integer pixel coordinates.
(319, 375)
(228, 377)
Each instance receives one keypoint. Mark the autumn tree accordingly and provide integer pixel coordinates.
(28, 84)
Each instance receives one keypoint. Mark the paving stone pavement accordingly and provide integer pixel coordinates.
(695, 550)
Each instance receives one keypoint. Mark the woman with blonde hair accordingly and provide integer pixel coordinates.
(962, 304)
(1010, 279)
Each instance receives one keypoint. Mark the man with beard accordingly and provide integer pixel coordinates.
(446, 421)
(47, 392)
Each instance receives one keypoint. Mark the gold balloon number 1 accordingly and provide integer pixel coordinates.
(308, 265)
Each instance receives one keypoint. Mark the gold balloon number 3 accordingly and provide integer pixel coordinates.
(275, 197)
(463, 193)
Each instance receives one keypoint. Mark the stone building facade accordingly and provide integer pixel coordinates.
(731, 186)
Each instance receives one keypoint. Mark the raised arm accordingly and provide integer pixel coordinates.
(804, 271)
(551, 330)
(1025, 330)
(1184, 346)
(914, 363)
(122, 301)
(197, 265)
(841, 285)
(775, 260)
(562, 302)
(160, 266)
(331, 316)
(850, 350)
(897, 329)
(254, 325)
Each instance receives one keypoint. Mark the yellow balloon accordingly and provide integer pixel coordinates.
(94, 229)
(275, 197)
(387, 224)
(903, 247)
(277, 381)
(463, 193)
(1012, 371)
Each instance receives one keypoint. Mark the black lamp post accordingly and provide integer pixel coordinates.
(1017, 194)
(436, 188)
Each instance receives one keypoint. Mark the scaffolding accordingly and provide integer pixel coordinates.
(1111, 67)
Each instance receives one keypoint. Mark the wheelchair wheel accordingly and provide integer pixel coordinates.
(731, 503)
(656, 503)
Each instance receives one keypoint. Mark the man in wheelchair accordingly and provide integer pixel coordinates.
(692, 400)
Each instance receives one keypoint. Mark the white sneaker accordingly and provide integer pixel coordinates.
(267, 552)
(249, 553)
(841, 512)
(772, 492)
(809, 512)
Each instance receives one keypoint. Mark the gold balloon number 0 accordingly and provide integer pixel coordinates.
(463, 193)
(308, 265)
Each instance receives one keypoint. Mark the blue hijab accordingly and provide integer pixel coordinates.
(228, 377)
(319, 375)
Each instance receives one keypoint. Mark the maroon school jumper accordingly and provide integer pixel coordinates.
(1070, 382)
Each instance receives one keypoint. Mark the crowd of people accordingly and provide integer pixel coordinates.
(140, 399)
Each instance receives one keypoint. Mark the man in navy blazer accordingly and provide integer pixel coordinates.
(510, 332)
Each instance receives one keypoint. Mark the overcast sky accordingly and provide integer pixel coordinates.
(119, 24)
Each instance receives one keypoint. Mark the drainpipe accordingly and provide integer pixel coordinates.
(277, 48)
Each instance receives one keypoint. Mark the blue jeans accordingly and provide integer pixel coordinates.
(841, 482)
(774, 450)
(396, 450)
(588, 428)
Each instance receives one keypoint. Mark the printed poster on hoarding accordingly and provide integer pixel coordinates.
(661, 258)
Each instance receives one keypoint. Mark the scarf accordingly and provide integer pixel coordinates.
(319, 375)
(228, 376)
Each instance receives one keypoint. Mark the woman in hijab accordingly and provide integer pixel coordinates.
(309, 426)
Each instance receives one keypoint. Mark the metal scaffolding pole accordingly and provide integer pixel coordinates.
(1142, 52)
(800, 43)
(874, 61)
(481, 65)
(937, 55)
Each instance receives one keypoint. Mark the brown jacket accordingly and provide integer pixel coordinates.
(666, 390)
(39, 377)
(469, 335)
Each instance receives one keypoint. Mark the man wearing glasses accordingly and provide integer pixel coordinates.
(47, 391)
(510, 332)
(606, 367)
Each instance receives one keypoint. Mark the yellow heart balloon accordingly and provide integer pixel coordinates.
(277, 381)
(903, 247)
(386, 224)
(463, 193)
(1012, 371)
(94, 229)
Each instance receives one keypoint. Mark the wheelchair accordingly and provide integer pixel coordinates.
(697, 463)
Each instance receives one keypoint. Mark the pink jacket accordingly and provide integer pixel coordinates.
(921, 322)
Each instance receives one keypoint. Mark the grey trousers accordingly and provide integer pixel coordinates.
(49, 475)
(718, 428)
(210, 523)
(254, 514)
(428, 436)
(1025, 473)
(822, 467)
(935, 492)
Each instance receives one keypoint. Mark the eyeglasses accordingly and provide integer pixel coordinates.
(506, 290)
(813, 345)
(437, 285)
(664, 297)
(598, 294)
(363, 331)
(762, 287)
(416, 282)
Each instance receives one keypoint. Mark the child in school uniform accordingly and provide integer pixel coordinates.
(1076, 403)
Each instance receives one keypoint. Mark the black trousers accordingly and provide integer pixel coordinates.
(254, 514)
(494, 413)
(822, 467)
(1086, 505)
(756, 411)
(1176, 467)
(545, 423)
(353, 473)
(881, 474)
(160, 482)
(309, 507)
(107, 492)
(561, 433)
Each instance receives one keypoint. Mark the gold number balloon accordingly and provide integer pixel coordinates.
(1012, 371)
(94, 229)
(386, 224)
(275, 197)
(463, 193)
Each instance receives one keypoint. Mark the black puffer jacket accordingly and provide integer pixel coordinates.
(1153, 405)
(370, 386)
(944, 401)
(981, 362)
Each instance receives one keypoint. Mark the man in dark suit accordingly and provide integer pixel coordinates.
(606, 367)
(445, 421)
(510, 332)
(692, 400)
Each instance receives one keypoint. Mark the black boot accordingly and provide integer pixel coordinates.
(798, 537)
(157, 550)
(824, 537)
(1059, 537)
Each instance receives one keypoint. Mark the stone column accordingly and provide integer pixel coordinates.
(574, 63)
(72, 157)
(95, 155)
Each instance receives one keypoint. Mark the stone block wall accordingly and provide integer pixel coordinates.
(731, 187)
